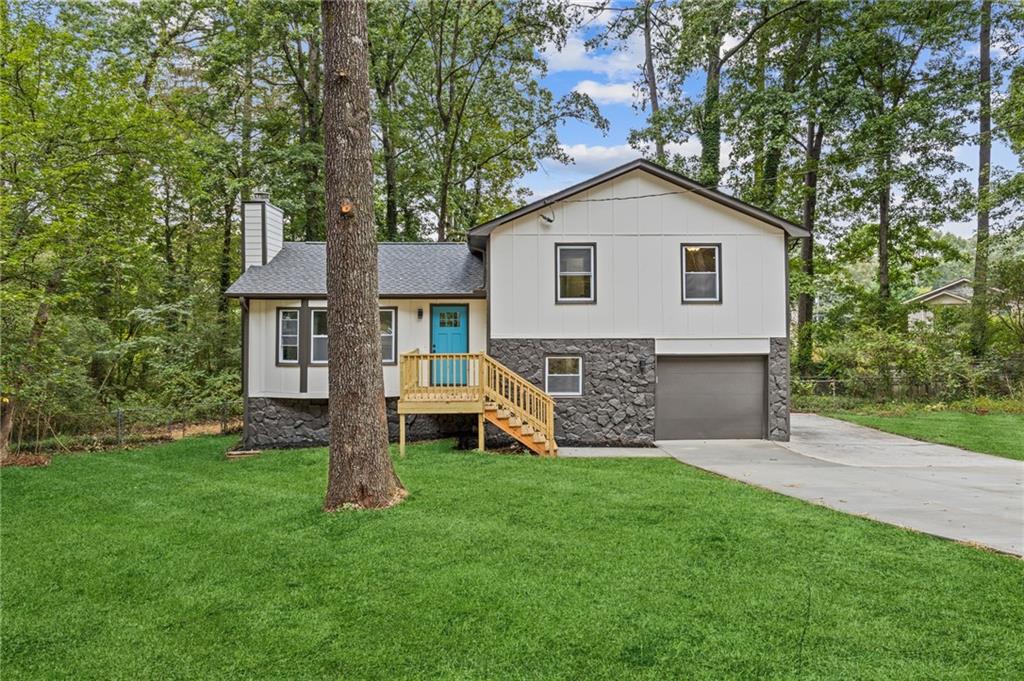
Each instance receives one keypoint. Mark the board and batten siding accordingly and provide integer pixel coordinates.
(252, 215)
(267, 379)
(252, 231)
(638, 274)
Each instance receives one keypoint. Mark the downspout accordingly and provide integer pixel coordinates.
(245, 371)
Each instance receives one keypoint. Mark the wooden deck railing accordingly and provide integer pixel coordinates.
(475, 377)
(513, 392)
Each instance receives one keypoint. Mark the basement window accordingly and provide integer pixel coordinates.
(563, 376)
(702, 273)
(318, 338)
(574, 267)
(287, 336)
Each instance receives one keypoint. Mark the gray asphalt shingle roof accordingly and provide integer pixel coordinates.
(405, 269)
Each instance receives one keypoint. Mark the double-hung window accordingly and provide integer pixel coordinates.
(388, 335)
(563, 376)
(318, 337)
(574, 267)
(702, 273)
(287, 336)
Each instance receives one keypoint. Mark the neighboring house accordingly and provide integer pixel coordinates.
(647, 306)
(957, 292)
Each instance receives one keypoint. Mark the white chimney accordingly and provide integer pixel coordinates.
(262, 230)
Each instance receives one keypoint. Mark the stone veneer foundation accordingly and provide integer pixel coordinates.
(283, 423)
(616, 408)
(778, 389)
(617, 405)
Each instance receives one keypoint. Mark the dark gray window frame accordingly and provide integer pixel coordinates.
(682, 273)
(312, 313)
(592, 300)
(277, 336)
(563, 356)
(394, 334)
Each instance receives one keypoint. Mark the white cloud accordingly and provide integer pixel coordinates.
(606, 93)
(574, 56)
(592, 159)
(728, 42)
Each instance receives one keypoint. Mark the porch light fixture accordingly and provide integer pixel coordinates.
(419, 313)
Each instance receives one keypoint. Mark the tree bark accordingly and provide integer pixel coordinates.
(651, 77)
(314, 214)
(360, 472)
(979, 302)
(225, 259)
(884, 201)
(711, 123)
(390, 186)
(20, 377)
(805, 304)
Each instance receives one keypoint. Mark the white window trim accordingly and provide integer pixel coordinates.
(548, 374)
(313, 336)
(717, 272)
(298, 334)
(591, 273)
(394, 336)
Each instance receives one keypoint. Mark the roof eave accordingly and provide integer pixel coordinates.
(390, 296)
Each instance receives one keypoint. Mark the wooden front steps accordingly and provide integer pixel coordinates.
(476, 383)
(521, 432)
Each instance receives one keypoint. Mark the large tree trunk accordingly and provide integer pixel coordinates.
(225, 259)
(805, 305)
(651, 78)
(979, 303)
(711, 124)
(314, 218)
(390, 186)
(21, 376)
(360, 472)
(884, 200)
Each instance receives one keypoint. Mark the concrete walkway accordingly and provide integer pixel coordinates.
(612, 453)
(939, 490)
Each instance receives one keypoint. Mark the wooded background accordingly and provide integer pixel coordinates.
(130, 132)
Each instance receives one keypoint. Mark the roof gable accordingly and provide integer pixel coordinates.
(478, 235)
(959, 289)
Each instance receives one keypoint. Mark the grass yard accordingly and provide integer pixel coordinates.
(998, 434)
(170, 562)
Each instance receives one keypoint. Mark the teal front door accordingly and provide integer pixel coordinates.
(449, 334)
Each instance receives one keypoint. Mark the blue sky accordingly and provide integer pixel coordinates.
(609, 77)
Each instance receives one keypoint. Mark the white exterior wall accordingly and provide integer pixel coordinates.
(638, 277)
(266, 379)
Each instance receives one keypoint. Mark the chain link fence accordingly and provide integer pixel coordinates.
(124, 425)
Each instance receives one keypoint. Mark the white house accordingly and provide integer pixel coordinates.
(639, 304)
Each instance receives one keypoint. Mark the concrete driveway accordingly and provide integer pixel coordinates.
(940, 490)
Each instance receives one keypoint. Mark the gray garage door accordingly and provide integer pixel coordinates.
(710, 398)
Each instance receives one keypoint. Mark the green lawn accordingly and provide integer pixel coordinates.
(170, 562)
(999, 434)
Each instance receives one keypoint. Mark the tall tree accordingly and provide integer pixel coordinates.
(481, 118)
(979, 302)
(909, 113)
(360, 471)
(649, 19)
